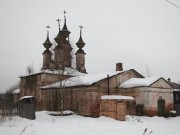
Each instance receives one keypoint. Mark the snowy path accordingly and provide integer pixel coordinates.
(78, 125)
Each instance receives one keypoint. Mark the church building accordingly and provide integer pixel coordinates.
(59, 85)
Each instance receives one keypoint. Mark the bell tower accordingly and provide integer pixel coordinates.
(63, 49)
(80, 54)
(47, 53)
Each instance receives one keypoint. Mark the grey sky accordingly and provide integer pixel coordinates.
(134, 32)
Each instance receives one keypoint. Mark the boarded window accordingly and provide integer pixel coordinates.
(130, 105)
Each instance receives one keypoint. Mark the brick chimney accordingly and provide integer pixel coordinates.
(169, 80)
(119, 67)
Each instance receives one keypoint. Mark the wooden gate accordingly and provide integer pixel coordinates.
(113, 109)
(120, 111)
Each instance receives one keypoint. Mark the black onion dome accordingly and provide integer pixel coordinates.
(80, 43)
(47, 43)
(65, 32)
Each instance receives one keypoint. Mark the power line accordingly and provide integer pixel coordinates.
(173, 4)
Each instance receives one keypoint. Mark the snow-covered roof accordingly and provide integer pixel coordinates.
(17, 91)
(176, 90)
(116, 97)
(83, 80)
(139, 82)
(66, 71)
(26, 97)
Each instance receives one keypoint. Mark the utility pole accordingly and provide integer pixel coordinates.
(108, 91)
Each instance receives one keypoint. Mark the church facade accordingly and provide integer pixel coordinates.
(82, 92)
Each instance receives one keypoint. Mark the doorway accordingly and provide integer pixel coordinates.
(161, 107)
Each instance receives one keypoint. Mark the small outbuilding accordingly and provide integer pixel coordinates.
(27, 107)
(117, 106)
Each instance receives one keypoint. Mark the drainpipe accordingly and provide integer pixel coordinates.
(108, 84)
(56, 100)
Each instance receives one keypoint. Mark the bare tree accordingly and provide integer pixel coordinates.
(30, 69)
(63, 74)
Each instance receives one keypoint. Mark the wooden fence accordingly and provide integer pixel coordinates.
(9, 109)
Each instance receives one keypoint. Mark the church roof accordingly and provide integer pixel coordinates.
(140, 82)
(67, 71)
(175, 85)
(83, 80)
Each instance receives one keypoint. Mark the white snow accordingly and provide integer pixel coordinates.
(173, 111)
(17, 91)
(66, 71)
(45, 124)
(139, 82)
(116, 97)
(86, 79)
(58, 113)
(26, 97)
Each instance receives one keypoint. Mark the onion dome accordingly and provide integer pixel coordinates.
(80, 44)
(65, 32)
(47, 44)
(58, 38)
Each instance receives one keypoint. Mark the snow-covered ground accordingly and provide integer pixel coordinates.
(79, 125)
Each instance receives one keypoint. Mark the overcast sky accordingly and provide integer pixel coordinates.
(142, 34)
